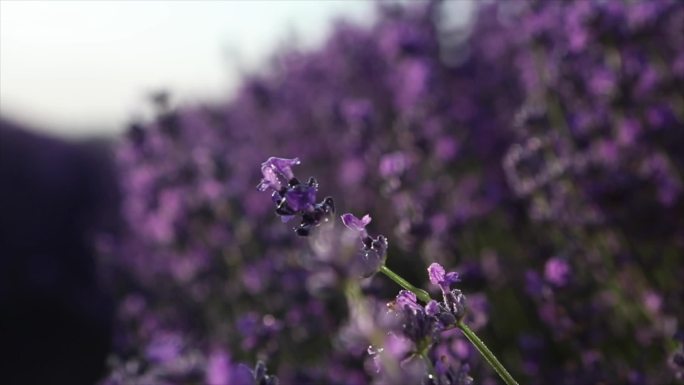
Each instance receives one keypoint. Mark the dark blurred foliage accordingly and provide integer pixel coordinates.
(538, 152)
(56, 317)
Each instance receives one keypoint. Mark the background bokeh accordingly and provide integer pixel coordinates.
(535, 149)
(84, 68)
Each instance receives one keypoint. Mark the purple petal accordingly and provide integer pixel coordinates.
(406, 298)
(301, 198)
(557, 271)
(436, 274)
(432, 308)
(355, 223)
(270, 179)
(393, 164)
(282, 166)
(371, 257)
(451, 278)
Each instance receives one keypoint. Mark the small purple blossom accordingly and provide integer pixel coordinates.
(301, 197)
(292, 197)
(557, 271)
(407, 300)
(453, 300)
(270, 180)
(416, 325)
(273, 167)
(432, 308)
(374, 250)
(356, 224)
(438, 277)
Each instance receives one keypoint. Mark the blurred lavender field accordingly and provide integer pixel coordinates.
(538, 152)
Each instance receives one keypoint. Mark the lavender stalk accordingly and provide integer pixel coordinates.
(295, 199)
(487, 354)
(420, 293)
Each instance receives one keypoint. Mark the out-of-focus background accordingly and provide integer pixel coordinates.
(533, 147)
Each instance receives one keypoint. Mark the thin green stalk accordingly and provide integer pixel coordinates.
(420, 293)
(487, 354)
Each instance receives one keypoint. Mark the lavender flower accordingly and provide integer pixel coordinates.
(453, 299)
(275, 168)
(356, 224)
(407, 300)
(557, 271)
(423, 328)
(374, 251)
(438, 277)
(293, 198)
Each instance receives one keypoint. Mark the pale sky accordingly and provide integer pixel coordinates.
(85, 67)
(76, 68)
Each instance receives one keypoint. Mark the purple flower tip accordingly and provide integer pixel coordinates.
(436, 273)
(406, 299)
(355, 223)
(301, 198)
(438, 276)
(281, 165)
(273, 167)
(270, 180)
(432, 308)
(557, 271)
(451, 278)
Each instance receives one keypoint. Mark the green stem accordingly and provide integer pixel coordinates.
(420, 293)
(487, 354)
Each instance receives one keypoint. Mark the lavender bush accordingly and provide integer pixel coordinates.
(537, 152)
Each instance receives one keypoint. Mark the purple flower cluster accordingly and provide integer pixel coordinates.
(453, 304)
(536, 150)
(417, 341)
(294, 198)
(420, 326)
